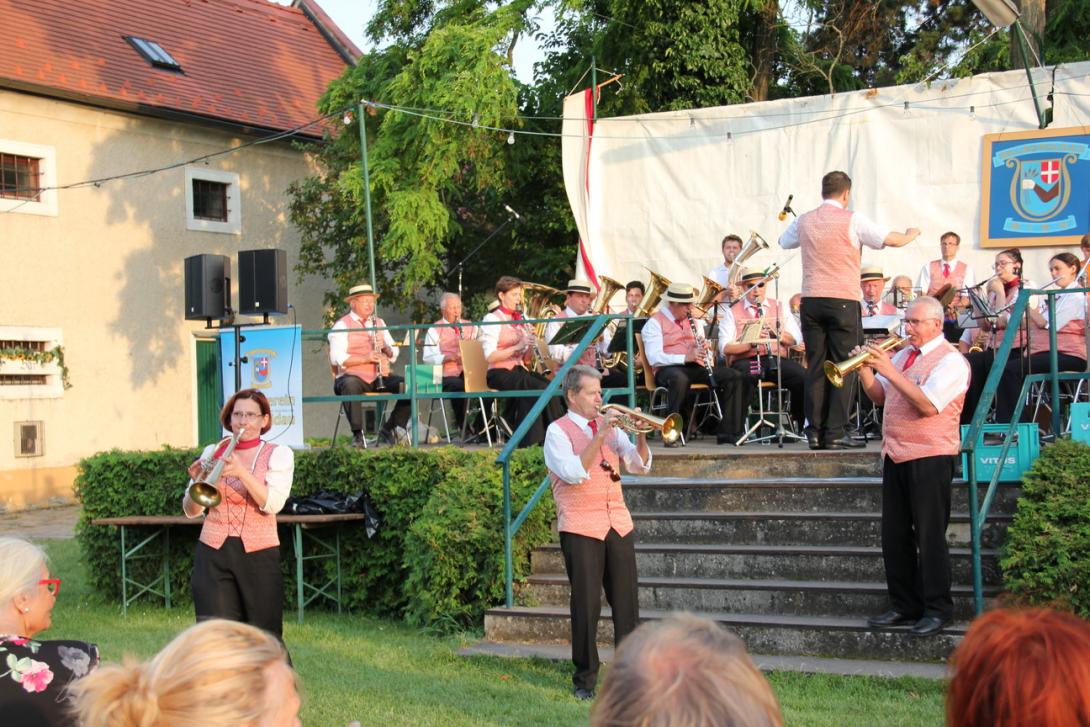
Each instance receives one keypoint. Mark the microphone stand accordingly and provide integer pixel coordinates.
(461, 263)
(780, 433)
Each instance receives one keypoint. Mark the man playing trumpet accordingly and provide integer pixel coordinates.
(583, 452)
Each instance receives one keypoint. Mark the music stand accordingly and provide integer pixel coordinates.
(619, 344)
(571, 331)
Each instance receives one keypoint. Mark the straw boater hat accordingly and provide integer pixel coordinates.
(750, 275)
(579, 286)
(872, 272)
(357, 290)
(493, 305)
(680, 293)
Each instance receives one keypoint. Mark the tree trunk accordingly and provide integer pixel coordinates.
(1033, 21)
(765, 48)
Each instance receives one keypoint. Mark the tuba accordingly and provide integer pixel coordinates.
(537, 302)
(203, 491)
(656, 287)
(836, 372)
(636, 422)
(605, 294)
(754, 245)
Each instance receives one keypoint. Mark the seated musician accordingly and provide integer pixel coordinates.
(1070, 317)
(361, 360)
(901, 292)
(441, 349)
(633, 296)
(580, 296)
(872, 282)
(508, 349)
(680, 360)
(948, 270)
(761, 359)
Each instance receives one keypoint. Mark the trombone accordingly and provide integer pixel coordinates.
(636, 422)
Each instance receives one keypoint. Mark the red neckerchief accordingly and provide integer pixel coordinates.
(1007, 287)
(250, 444)
(512, 314)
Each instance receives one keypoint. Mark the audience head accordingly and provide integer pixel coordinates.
(27, 596)
(1084, 245)
(732, 245)
(1063, 268)
(633, 294)
(949, 244)
(450, 306)
(216, 673)
(1021, 668)
(836, 185)
(684, 671)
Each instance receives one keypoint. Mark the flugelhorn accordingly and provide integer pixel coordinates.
(636, 422)
(203, 491)
(836, 372)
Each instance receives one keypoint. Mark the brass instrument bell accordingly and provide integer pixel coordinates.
(636, 422)
(836, 372)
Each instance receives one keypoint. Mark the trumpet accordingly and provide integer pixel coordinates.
(203, 491)
(636, 422)
(836, 372)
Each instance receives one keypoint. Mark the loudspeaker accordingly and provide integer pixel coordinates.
(207, 288)
(262, 281)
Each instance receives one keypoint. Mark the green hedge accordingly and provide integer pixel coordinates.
(1047, 554)
(437, 559)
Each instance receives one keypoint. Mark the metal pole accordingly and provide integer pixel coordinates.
(593, 89)
(1053, 364)
(508, 566)
(411, 376)
(974, 530)
(367, 195)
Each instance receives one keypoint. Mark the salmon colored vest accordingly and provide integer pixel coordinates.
(884, 309)
(675, 338)
(743, 315)
(508, 337)
(997, 335)
(588, 358)
(238, 516)
(1071, 339)
(593, 507)
(830, 262)
(361, 343)
(907, 434)
(956, 278)
(449, 338)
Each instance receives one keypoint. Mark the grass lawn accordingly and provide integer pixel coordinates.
(384, 673)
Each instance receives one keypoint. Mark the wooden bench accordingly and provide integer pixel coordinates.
(302, 525)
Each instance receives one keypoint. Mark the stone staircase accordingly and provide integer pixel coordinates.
(780, 545)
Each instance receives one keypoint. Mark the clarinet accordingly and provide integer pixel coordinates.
(707, 354)
(374, 347)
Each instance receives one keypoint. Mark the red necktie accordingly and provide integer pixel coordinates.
(946, 270)
(679, 321)
(912, 356)
(593, 427)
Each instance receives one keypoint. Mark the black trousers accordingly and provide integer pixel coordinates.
(593, 565)
(239, 586)
(456, 383)
(349, 385)
(793, 376)
(915, 514)
(1010, 383)
(735, 389)
(831, 328)
(516, 409)
(615, 378)
(980, 364)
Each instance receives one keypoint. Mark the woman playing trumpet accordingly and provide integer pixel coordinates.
(236, 565)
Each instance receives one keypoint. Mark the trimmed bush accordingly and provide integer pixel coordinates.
(437, 559)
(1047, 554)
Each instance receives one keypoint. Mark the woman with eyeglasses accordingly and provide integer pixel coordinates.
(34, 674)
(1069, 314)
(236, 565)
(1001, 292)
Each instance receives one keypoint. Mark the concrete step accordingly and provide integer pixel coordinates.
(765, 462)
(791, 528)
(739, 595)
(794, 562)
(840, 637)
(802, 494)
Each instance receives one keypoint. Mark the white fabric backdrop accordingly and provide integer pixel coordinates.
(665, 188)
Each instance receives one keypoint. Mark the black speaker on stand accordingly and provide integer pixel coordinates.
(262, 282)
(207, 287)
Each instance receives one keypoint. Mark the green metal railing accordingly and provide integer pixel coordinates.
(978, 510)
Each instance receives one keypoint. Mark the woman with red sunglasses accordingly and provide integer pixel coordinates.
(34, 674)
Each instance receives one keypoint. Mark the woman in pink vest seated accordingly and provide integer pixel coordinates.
(236, 565)
(1070, 317)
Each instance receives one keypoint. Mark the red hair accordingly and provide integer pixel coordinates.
(1021, 667)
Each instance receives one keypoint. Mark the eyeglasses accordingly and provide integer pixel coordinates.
(613, 474)
(918, 321)
(246, 416)
(53, 584)
(1002, 264)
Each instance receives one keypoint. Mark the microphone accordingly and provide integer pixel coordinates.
(516, 215)
(787, 208)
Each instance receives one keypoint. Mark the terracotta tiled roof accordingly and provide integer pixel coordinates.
(247, 62)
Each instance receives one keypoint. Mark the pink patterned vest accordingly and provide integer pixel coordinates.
(956, 278)
(907, 434)
(508, 337)
(449, 337)
(1071, 339)
(675, 338)
(593, 507)
(997, 335)
(360, 344)
(238, 515)
(743, 315)
(830, 262)
(588, 358)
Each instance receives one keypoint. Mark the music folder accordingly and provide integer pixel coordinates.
(571, 331)
(619, 341)
(751, 332)
(880, 324)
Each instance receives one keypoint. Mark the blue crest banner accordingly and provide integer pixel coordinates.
(1036, 188)
(273, 365)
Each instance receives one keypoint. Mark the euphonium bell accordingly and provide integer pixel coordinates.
(836, 372)
(656, 286)
(707, 297)
(753, 245)
(636, 422)
(605, 293)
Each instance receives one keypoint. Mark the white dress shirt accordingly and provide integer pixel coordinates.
(432, 355)
(947, 380)
(338, 342)
(560, 353)
(490, 335)
(277, 477)
(861, 231)
(652, 342)
(1070, 307)
(728, 332)
(923, 282)
(565, 464)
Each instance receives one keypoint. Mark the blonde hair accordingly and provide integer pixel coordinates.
(211, 674)
(21, 565)
(685, 671)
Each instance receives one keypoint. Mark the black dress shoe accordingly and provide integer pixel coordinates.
(386, 436)
(814, 440)
(891, 618)
(583, 694)
(358, 441)
(928, 626)
(844, 442)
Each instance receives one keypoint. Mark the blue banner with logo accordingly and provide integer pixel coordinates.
(1036, 187)
(272, 364)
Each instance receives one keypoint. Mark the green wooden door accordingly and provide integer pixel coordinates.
(209, 392)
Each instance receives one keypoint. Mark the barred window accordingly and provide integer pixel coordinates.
(20, 177)
(210, 200)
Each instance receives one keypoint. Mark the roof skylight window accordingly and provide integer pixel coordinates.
(154, 53)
